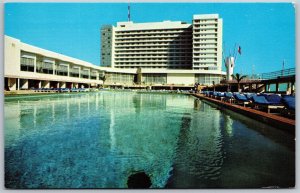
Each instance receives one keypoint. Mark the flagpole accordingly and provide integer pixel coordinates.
(128, 10)
(234, 53)
(282, 67)
(223, 54)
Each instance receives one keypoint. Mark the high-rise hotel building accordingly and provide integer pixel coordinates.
(161, 53)
(167, 51)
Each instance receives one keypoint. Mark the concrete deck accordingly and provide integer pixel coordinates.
(277, 121)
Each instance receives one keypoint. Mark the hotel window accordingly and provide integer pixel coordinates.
(62, 70)
(45, 67)
(74, 72)
(27, 64)
(84, 74)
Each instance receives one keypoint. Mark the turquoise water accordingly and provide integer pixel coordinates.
(96, 140)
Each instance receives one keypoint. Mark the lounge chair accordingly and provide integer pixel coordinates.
(220, 95)
(65, 90)
(249, 95)
(241, 99)
(215, 94)
(289, 103)
(228, 96)
(74, 90)
(260, 102)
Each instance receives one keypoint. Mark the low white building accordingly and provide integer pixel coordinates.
(27, 66)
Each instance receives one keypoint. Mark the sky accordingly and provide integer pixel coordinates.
(265, 31)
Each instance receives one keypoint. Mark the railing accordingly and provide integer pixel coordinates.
(279, 73)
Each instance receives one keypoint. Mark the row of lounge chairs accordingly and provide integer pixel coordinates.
(263, 101)
(60, 90)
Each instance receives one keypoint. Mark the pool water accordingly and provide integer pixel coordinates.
(96, 140)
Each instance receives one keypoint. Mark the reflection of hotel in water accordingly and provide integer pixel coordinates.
(160, 53)
(127, 140)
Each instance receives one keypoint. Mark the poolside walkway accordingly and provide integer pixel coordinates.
(268, 118)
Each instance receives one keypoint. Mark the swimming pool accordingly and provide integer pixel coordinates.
(96, 140)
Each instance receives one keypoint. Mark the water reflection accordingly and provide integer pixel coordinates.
(228, 125)
(112, 131)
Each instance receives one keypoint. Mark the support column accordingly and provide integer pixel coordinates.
(18, 86)
(277, 87)
(53, 67)
(288, 89)
(292, 87)
(40, 84)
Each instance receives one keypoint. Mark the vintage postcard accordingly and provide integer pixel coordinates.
(149, 95)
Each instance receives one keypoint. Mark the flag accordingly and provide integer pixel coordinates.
(240, 50)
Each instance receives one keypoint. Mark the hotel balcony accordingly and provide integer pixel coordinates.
(139, 38)
(200, 37)
(130, 33)
(195, 46)
(158, 43)
(205, 41)
(208, 31)
(207, 21)
(205, 26)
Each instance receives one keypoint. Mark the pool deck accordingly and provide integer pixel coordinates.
(268, 118)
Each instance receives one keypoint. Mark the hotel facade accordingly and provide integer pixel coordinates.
(160, 53)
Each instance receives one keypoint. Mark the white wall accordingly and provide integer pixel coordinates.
(186, 79)
(11, 56)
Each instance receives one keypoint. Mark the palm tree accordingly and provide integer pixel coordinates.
(103, 78)
(238, 77)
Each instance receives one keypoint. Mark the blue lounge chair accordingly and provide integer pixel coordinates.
(260, 102)
(249, 95)
(74, 90)
(289, 103)
(228, 96)
(241, 99)
(65, 90)
(215, 94)
(274, 99)
(220, 95)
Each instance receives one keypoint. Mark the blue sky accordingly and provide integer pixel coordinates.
(265, 31)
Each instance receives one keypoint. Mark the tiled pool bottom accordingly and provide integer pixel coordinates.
(96, 140)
